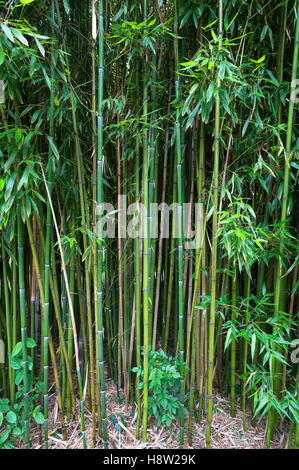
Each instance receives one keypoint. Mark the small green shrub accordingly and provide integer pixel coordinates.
(164, 386)
(12, 426)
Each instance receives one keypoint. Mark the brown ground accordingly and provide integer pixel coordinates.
(227, 432)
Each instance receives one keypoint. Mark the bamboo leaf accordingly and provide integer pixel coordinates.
(7, 32)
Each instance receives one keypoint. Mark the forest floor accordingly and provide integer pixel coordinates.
(227, 432)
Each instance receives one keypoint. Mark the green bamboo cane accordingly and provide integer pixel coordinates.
(69, 329)
(214, 249)
(108, 314)
(192, 380)
(94, 194)
(100, 202)
(137, 287)
(233, 346)
(276, 365)
(180, 247)
(201, 362)
(152, 187)
(48, 248)
(82, 318)
(14, 303)
(145, 284)
(23, 326)
(126, 283)
(33, 303)
(171, 266)
(11, 384)
(201, 259)
(243, 387)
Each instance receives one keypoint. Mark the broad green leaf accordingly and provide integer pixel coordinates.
(17, 431)
(4, 405)
(4, 436)
(11, 417)
(31, 343)
(16, 363)
(16, 350)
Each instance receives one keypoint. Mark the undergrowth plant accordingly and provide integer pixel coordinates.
(164, 387)
(12, 416)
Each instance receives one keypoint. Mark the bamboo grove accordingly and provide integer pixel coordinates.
(133, 104)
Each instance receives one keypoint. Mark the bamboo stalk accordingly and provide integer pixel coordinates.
(100, 332)
(214, 249)
(276, 365)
